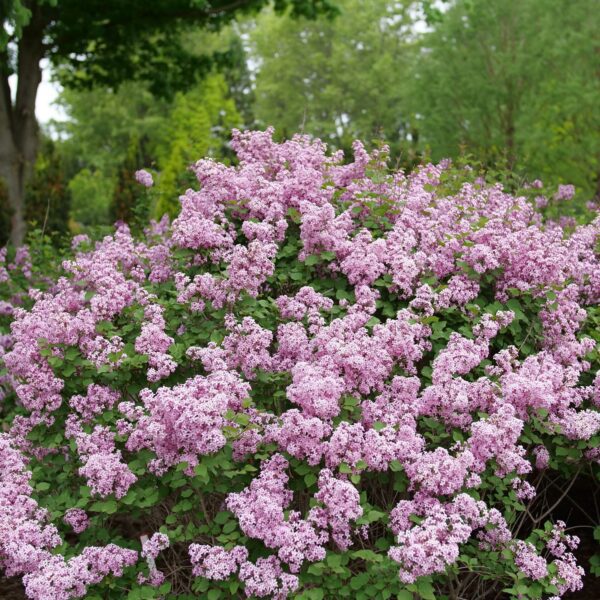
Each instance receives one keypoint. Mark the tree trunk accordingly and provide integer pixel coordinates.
(18, 126)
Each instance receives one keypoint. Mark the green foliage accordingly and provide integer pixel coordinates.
(101, 147)
(340, 79)
(127, 130)
(129, 201)
(47, 198)
(513, 81)
(91, 193)
(101, 123)
(199, 124)
(107, 42)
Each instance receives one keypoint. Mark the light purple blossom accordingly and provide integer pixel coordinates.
(142, 176)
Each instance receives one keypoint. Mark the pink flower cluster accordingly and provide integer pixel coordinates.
(102, 464)
(144, 178)
(77, 519)
(27, 539)
(565, 192)
(151, 548)
(183, 422)
(341, 363)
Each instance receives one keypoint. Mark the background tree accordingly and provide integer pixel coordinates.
(95, 141)
(199, 125)
(101, 122)
(99, 41)
(5, 215)
(513, 81)
(238, 77)
(98, 143)
(339, 80)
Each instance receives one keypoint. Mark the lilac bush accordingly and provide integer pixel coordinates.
(322, 380)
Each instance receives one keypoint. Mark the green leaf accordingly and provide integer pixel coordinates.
(201, 470)
(55, 361)
(105, 506)
(367, 555)
(334, 560)
(229, 527)
(222, 517)
(458, 436)
(68, 371)
(359, 581)
(165, 588)
(374, 515)
(426, 590)
(310, 479)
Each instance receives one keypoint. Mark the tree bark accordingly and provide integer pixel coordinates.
(19, 138)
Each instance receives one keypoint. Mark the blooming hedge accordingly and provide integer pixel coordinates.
(322, 380)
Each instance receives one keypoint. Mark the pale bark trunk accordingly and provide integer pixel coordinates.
(18, 125)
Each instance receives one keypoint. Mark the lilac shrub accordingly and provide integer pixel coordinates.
(322, 380)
